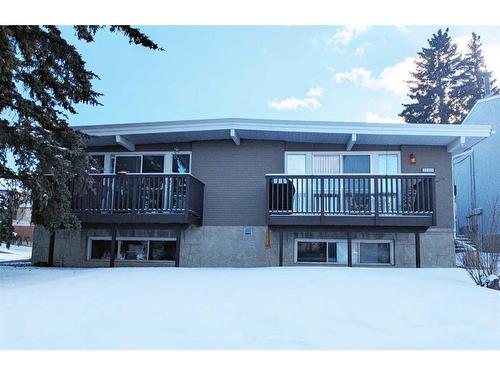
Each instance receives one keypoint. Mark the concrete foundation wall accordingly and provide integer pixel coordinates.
(229, 246)
(436, 246)
(71, 247)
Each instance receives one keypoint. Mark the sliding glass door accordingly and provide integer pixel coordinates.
(324, 164)
(336, 194)
(388, 164)
(357, 192)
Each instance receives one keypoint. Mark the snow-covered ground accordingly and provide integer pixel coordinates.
(14, 253)
(260, 308)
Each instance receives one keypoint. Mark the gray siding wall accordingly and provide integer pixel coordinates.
(234, 177)
(439, 159)
(235, 189)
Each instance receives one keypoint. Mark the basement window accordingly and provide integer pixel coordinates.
(373, 252)
(100, 249)
(321, 251)
(133, 249)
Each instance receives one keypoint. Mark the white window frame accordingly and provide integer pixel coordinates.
(118, 250)
(327, 241)
(356, 252)
(167, 159)
(372, 154)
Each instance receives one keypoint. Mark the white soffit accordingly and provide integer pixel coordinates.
(455, 137)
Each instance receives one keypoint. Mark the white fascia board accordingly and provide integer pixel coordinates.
(457, 144)
(235, 136)
(121, 140)
(433, 130)
(351, 142)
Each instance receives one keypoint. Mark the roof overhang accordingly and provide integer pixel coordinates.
(457, 138)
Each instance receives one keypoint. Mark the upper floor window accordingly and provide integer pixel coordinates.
(181, 163)
(356, 163)
(166, 162)
(384, 162)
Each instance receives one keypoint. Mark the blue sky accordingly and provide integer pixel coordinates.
(335, 73)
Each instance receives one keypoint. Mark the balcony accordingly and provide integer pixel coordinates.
(404, 200)
(140, 199)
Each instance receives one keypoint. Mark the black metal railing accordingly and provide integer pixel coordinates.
(140, 193)
(356, 194)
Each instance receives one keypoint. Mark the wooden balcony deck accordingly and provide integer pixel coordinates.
(405, 200)
(140, 199)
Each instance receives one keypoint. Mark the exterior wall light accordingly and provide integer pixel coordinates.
(413, 159)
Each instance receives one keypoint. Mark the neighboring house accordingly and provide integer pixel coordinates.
(22, 221)
(249, 193)
(477, 173)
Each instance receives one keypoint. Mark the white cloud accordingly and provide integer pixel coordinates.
(309, 102)
(314, 41)
(373, 117)
(316, 91)
(292, 103)
(461, 43)
(392, 79)
(346, 34)
(403, 29)
(360, 51)
(492, 59)
(355, 75)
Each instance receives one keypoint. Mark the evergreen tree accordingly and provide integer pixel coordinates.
(475, 71)
(7, 209)
(435, 82)
(42, 79)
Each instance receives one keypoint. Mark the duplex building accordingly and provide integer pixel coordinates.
(249, 193)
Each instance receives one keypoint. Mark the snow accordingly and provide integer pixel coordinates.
(14, 253)
(254, 308)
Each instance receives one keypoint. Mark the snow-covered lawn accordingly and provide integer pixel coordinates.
(264, 308)
(14, 253)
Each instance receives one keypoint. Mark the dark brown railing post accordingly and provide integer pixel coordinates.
(349, 250)
(177, 247)
(322, 198)
(188, 198)
(280, 245)
(113, 248)
(376, 212)
(417, 250)
(268, 207)
(433, 200)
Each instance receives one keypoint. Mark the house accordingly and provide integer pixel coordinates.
(250, 193)
(21, 220)
(477, 175)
